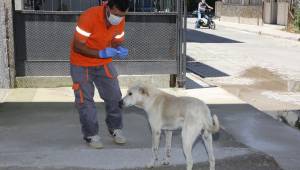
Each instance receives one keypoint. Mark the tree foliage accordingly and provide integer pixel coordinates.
(297, 14)
(297, 19)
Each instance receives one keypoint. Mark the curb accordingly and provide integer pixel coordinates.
(260, 32)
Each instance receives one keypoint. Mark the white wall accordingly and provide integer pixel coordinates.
(270, 12)
(4, 72)
(282, 13)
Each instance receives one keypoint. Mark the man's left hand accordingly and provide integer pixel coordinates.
(122, 52)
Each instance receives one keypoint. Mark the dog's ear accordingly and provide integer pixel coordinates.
(144, 91)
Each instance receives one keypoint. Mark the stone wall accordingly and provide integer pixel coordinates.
(4, 72)
(244, 14)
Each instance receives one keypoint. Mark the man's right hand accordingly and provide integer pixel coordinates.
(108, 53)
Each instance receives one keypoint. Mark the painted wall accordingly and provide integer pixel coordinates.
(282, 16)
(4, 74)
(270, 12)
(244, 14)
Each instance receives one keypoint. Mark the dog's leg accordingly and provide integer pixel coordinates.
(207, 138)
(155, 145)
(189, 135)
(168, 134)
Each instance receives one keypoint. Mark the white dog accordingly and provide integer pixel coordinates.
(168, 112)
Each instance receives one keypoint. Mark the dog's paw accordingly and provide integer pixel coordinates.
(212, 168)
(165, 162)
(151, 164)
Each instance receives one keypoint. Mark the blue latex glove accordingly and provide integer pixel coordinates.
(122, 52)
(108, 53)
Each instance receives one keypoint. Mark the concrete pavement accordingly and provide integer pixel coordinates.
(259, 131)
(261, 70)
(40, 130)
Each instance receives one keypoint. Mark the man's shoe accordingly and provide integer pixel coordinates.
(94, 142)
(118, 136)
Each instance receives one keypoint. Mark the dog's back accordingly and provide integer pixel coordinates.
(185, 108)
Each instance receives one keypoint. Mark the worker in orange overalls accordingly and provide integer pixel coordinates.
(99, 33)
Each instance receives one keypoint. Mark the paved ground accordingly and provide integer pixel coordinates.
(39, 133)
(40, 128)
(261, 132)
(239, 50)
(261, 70)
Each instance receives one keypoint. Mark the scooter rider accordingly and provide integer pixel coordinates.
(202, 5)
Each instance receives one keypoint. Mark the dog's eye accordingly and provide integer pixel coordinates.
(129, 93)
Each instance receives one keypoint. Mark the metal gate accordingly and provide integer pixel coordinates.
(43, 37)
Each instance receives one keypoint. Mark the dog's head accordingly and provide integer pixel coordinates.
(136, 96)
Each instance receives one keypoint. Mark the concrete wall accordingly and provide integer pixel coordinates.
(218, 8)
(276, 12)
(270, 12)
(242, 2)
(239, 13)
(282, 10)
(4, 71)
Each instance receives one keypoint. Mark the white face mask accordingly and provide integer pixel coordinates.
(113, 19)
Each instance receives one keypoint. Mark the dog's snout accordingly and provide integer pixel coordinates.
(121, 103)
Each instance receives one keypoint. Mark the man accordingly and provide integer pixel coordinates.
(202, 5)
(99, 33)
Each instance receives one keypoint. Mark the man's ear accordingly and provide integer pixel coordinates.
(144, 91)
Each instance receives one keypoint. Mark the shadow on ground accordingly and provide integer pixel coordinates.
(201, 37)
(47, 136)
(203, 70)
(56, 125)
(190, 84)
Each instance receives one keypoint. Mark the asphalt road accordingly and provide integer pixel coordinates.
(261, 70)
(47, 136)
(232, 51)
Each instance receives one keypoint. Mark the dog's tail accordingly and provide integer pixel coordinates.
(215, 127)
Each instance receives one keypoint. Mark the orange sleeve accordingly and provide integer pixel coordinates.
(120, 36)
(84, 26)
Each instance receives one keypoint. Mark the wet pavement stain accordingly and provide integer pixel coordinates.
(263, 88)
(265, 79)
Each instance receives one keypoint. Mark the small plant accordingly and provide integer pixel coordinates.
(297, 20)
(296, 11)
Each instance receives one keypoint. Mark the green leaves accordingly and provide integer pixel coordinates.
(297, 19)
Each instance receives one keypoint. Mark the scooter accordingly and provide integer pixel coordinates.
(206, 21)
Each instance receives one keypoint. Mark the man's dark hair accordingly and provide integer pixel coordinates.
(122, 5)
